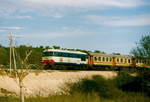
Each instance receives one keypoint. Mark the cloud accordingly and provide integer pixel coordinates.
(137, 20)
(56, 15)
(88, 3)
(11, 28)
(2, 30)
(17, 17)
(23, 17)
(10, 7)
(64, 32)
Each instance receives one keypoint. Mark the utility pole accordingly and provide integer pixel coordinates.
(10, 51)
(14, 57)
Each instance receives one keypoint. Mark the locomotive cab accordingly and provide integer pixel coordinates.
(64, 57)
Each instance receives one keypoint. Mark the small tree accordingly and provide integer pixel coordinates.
(22, 72)
(143, 51)
(143, 48)
(56, 47)
(97, 51)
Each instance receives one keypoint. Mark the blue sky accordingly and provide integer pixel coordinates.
(106, 25)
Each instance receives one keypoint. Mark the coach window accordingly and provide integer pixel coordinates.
(129, 61)
(117, 59)
(110, 59)
(103, 59)
(148, 62)
(95, 58)
(99, 58)
(140, 61)
(121, 60)
(106, 59)
(125, 60)
(143, 61)
(136, 61)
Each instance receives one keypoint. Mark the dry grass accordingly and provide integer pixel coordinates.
(49, 81)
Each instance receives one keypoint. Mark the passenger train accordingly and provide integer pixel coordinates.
(57, 58)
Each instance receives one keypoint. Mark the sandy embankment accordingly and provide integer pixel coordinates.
(48, 82)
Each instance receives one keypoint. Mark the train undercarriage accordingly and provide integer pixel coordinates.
(90, 67)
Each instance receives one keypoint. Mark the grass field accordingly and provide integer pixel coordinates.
(79, 97)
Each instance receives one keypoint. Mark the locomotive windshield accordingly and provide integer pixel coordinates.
(48, 54)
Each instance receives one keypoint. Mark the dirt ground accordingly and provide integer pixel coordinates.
(44, 83)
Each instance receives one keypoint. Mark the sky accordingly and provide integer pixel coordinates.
(105, 25)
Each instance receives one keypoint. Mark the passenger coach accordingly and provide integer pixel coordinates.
(117, 61)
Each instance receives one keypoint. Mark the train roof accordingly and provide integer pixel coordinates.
(109, 55)
(67, 51)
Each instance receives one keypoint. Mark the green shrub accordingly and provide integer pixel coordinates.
(103, 87)
(144, 77)
(127, 82)
(133, 97)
